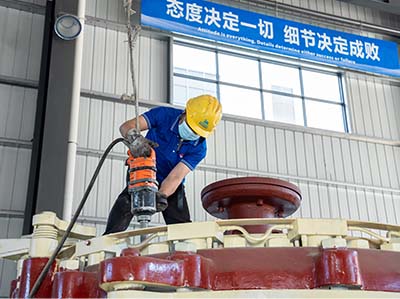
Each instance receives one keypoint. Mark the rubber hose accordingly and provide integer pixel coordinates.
(46, 268)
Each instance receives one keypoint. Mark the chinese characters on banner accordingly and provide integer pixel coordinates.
(245, 28)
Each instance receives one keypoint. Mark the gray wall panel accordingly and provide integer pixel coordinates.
(16, 123)
(20, 43)
(10, 228)
(36, 2)
(17, 112)
(20, 46)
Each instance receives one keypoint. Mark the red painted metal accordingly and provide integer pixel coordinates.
(13, 288)
(141, 268)
(130, 252)
(330, 261)
(228, 268)
(380, 270)
(31, 269)
(76, 284)
(251, 197)
(197, 271)
(261, 268)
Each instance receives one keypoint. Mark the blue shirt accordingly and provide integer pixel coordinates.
(163, 128)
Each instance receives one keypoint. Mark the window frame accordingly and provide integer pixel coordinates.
(264, 58)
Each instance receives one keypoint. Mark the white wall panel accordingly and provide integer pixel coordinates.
(106, 67)
(335, 173)
(335, 7)
(20, 43)
(111, 10)
(374, 107)
(339, 177)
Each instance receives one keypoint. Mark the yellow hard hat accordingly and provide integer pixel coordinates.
(203, 113)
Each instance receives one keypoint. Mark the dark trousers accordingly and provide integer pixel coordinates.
(120, 215)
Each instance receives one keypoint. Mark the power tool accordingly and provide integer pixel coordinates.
(141, 179)
(142, 185)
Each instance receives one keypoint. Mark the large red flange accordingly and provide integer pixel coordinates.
(251, 197)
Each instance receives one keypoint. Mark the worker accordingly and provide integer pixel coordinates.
(180, 135)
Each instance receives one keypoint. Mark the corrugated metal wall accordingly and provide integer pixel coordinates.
(333, 7)
(20, 46)
(340, 176)
(374, 105)
(106, 69)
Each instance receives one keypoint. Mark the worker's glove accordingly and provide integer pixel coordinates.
(162, 201)
(132, 135)
(138, 145)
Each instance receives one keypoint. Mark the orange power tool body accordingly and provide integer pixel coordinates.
(142, 185)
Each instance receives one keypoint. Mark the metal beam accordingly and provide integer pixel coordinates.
(8, 80)
(11, 214)
(18, 143)
(103, 23)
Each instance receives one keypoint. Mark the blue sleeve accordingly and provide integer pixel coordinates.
(193, 158)
(155, 117)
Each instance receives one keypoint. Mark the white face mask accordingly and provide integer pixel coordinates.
(186, 132)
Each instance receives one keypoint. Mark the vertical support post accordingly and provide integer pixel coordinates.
(57, 167)
(34, 169)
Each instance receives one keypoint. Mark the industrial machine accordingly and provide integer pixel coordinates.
(251, 251)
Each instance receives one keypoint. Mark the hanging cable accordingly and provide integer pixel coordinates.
(133, 33)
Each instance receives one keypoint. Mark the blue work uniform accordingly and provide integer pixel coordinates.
(163, 125)
(163, 128)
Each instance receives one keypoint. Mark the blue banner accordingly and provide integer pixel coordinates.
(236, 26)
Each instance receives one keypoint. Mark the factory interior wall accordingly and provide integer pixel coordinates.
(20, 48)
(353, 175)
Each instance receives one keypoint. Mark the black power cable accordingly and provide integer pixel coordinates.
(46, 268)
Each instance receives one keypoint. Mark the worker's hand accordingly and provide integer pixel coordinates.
(132, 134)
(162, 201)
(139, 145)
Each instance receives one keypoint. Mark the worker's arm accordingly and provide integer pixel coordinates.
(131, 124)
(174, 179)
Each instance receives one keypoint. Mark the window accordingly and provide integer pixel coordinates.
(259, 87)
